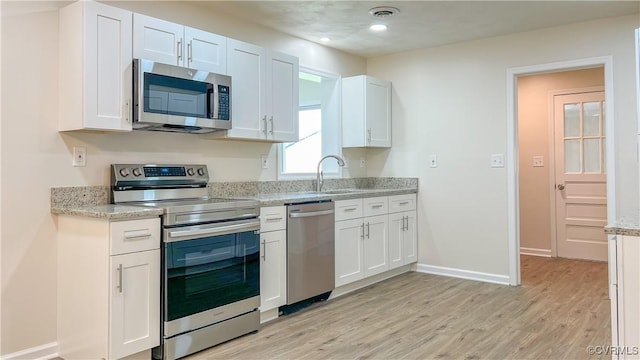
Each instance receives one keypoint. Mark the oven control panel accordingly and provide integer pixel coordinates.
(150, 172)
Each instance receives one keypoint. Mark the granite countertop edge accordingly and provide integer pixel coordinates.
(109, 211)
(622, 230)
(115, 212)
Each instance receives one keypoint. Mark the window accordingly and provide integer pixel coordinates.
(319, 128)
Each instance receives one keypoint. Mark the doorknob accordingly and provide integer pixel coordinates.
(560, 186)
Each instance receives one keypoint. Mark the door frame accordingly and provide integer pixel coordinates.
(552, 159)
(513, 201)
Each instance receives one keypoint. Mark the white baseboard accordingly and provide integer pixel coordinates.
(535, 252)
(42, 352)
(463, 274)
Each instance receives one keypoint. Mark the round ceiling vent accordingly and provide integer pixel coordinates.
(383, 11)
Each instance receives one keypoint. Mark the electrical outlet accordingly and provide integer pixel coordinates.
(264, 160)
(538, 161)
(363, 162)
(497, 160)
(79, 156)
(433, 160)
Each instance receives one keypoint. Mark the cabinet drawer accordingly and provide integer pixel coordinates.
(134, 235)
(398, 203)
(348, 209)
(273, 218)
(376, 206)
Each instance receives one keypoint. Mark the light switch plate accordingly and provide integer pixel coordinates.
(433, 160)
(497, 160)
(538, 161)
(79, 156)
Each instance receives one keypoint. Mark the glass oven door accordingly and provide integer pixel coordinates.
(210, 266)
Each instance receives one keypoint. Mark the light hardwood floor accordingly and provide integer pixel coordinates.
(561, 308)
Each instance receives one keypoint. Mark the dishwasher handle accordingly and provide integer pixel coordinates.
(310, 213)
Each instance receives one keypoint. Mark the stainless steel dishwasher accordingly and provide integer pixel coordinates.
(310, 250)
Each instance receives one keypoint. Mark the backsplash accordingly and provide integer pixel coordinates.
(100, 195)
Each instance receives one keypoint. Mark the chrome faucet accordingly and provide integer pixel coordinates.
(319, 178)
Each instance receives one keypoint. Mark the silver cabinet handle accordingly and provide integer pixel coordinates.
(264, 119)
(189, 52)
(264, 253)
(134, 235)
(362, 236)
(405, 227)
(179, 51)
(369, 135)
(119, 286)
(273, 219)
(404, 203)
(560, 187)
(311, 213)
(368, 232)
(376, 206)
(350, 209)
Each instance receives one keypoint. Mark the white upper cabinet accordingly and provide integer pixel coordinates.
(95, 45)
(264, 94)
(176, 44)
(366, 112)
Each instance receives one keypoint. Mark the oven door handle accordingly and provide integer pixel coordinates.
(213, 231)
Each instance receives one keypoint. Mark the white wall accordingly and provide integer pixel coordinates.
(36, 157)
(451, 101)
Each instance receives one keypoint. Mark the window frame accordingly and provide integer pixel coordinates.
(335, 108)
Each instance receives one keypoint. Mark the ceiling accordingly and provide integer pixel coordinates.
(418, 24)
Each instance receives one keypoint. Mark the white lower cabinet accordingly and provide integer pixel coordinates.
(626, 298)
(362, 239)
(273, 257)
(403, 235)
(108, 287)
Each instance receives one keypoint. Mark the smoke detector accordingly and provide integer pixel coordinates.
(383, 12)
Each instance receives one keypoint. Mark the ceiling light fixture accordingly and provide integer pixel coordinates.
(383, 12)
(378, 27)
(325, 39)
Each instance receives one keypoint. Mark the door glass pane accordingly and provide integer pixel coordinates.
(571, 120)
(572, 156)
(604, 155)
(592, 155)
(591, 118)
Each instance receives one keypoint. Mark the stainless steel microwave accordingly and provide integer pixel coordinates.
(178, 99)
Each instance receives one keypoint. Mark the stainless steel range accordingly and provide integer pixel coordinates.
(210, 255)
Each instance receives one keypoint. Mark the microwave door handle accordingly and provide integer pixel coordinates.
(212, 103)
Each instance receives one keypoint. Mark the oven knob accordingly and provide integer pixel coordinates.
(124, 172)
(201, 171)
(190, 171)
(137, 172)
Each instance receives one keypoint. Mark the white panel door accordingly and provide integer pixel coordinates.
(108, 67)
(135, 303)
(348, 248)
(376, 245)
(581, 191)
(205, 51)
(158, 40)
(378, 112)
(282, 93)
(273, 269)
(246, 63)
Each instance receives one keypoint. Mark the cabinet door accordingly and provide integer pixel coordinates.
(134, 311)
(396, 239)
(205, 51)
(273, 269)
(410, 238)
(157, 40)
(348, 248)
(375, 249)
(378, 112)
(246, 63)
(282, 95)
(628, 294)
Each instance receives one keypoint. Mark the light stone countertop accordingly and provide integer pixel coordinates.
(622, 230)
(278, 199)
(111, 212)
